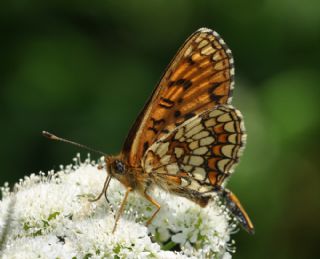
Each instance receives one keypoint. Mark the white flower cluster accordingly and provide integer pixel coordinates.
(49, 216)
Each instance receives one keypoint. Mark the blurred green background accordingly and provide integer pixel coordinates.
(84, 70)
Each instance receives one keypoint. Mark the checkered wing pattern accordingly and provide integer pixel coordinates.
(197, 156)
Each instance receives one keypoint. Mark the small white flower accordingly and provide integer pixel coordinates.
(49, 216)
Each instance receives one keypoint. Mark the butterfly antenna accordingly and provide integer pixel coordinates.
(54, 137)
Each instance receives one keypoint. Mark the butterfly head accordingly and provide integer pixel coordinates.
(118, 169)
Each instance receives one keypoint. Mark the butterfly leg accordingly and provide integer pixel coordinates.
(104, 191)
(154, 202)
(235, 207)
(120, 211)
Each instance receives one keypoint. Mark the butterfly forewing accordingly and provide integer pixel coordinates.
(198, 155)
(199, 77)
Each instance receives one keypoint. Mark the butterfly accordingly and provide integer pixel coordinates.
(188, 137)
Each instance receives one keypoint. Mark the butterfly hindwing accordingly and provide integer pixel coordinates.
(198, 155)
(199, 77)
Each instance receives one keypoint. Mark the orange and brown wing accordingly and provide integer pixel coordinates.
(198, 78)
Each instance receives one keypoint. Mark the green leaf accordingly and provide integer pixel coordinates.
(53, 215)
(87, 256)
(168, 246)
(26, 226)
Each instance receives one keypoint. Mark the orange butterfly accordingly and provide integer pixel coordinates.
(188, 138)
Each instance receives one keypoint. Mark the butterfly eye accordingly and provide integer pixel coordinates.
(119, 167)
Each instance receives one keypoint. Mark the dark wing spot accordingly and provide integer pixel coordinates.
(166, 103)
(145, 146)
(177, 114)
(167, 100)
(187, 84)
(156, 122)
(190, 61)
(153, 129)
(215, 98)
(180, 81)
(214, 86)
(171, 83)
